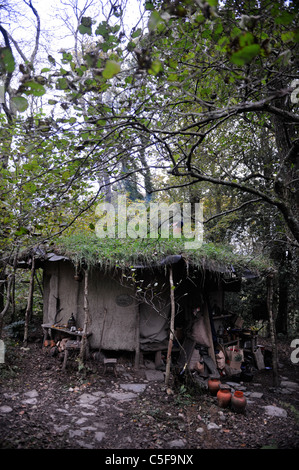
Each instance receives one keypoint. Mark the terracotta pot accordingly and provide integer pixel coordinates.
(49, 343)
(213, 385)
(238, 402)
(223, 397)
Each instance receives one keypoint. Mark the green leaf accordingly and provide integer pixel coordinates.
(111, 68)
(66, 57)
(172, 77)
(149, 5)
(285, 18)
(30, 187)
(131, 46)
(213, 3)
(85, 26)
(7, 60)
(62, 84)
(102, 30)
(30, 166)
(136, 33)
(65, 175)
(22, 231)
(156, 67)
(105, 46)
(154, 20)
(246, 54)
(288, 36)
(34, 88)
(85, 30)
(246, 39)
(20, 103)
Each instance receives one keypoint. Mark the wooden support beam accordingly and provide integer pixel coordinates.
(270, 283)
(171, 333)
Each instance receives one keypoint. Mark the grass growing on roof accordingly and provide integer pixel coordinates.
(115, 252)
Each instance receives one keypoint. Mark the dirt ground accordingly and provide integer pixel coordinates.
(42, 407)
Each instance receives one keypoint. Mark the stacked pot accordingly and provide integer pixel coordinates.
(225, 398)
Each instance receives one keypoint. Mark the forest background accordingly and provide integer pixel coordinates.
(174, 101)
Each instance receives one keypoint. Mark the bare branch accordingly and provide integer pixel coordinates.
(221, 214)
(37, 35)
(24, 58)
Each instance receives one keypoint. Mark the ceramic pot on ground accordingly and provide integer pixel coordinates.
(238, 402)
(213, 385)
(224, 397)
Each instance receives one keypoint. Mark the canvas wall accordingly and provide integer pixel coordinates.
(113, 310)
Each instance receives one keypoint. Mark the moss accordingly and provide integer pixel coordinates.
(86, 247)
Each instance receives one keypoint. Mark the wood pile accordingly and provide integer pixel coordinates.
(57, 348)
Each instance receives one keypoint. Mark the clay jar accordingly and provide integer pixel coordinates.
(213, 385)
(224, 397)
(238, 402)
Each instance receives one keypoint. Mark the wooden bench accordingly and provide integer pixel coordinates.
(74, 342)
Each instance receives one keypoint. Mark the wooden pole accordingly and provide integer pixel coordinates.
(103, 327)
(137, 339)
(171, 333)
(28, 313)
(86, 317)
(272, 329)
(13, 287)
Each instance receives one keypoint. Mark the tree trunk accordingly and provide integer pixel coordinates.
(280, 256)
(5, 307)
(272, 329)
(281, 323)
(172, 316)
(28, 313)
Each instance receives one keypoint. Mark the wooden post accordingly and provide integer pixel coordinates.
(103, 327)
(137, 339)
(272, 329)
(83, 348)
(13, 287)
(171, 333)
(29, 301)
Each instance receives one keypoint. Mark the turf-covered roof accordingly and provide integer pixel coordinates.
(110, 253)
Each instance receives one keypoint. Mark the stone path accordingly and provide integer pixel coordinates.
(94, 418)
(87, 420)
